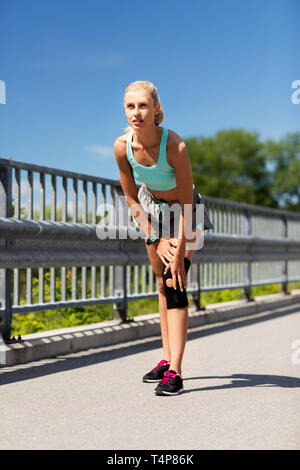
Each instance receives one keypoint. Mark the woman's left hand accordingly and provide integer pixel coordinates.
(177, 269)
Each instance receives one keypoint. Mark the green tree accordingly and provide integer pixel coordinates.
(284, 156)
(231, 165)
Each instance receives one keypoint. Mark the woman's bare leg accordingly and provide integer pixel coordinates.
(177, 328)
(162, 303)
(158, 266)
(173, 322)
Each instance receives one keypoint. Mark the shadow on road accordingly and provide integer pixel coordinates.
(77, 360)
(248, 380)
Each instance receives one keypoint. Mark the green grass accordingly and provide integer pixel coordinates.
(44, 320)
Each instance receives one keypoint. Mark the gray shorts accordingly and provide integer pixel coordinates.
(164, 216)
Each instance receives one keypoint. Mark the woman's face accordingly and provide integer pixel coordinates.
(139, 109)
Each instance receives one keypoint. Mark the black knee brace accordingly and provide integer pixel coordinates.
(175, 297)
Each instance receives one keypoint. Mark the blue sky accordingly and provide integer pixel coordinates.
(217, 64)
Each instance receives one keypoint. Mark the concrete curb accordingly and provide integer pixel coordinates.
(67, 340)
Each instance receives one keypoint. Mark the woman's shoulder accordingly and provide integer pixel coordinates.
(175, 142)
(175, 145)
(120, 143)
(122, 139)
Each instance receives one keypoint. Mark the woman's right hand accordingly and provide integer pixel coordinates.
(166, 249)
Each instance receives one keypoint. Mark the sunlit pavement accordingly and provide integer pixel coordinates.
(242, 391)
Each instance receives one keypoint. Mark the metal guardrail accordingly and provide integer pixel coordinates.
(67, 247)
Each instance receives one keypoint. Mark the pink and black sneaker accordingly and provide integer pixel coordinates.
(156, 374)
(171, 384)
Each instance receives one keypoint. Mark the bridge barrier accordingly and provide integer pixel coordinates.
(94, 253)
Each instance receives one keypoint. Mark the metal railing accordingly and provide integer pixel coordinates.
(58, 232)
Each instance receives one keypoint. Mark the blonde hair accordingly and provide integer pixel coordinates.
(152, 90)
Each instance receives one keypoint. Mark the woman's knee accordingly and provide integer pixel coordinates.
(175, 298)
(160, 284)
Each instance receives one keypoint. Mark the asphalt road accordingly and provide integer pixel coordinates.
(242, 391)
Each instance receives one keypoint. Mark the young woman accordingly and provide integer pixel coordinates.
(158, 158)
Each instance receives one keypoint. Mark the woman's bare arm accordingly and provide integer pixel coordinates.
(184, 184)
(129, 187)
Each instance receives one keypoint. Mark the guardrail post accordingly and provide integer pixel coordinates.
(5, 274)
(284, 283)
(120, 220)
(120, 308)
(247, 273)
(196, 296)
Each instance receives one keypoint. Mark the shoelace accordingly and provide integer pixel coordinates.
(160, 364)
(168, 376)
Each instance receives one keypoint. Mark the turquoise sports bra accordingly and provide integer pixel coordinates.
(161, 176)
